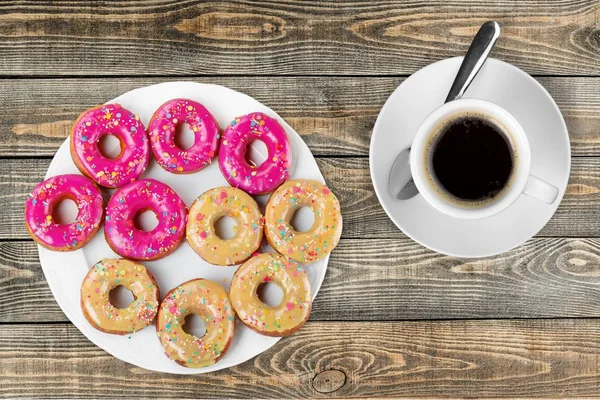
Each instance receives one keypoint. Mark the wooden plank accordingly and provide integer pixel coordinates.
(388, 359)
(349, 178)
(25, 295)
(375, 279)
(335, 116)
(289, 37)
(364, 217)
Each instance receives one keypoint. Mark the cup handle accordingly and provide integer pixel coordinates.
(540, 190)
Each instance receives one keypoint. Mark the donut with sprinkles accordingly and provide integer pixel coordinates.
(162, 131)
(110, 119)
(108, 274)
(207, 209)
(236, 139)
(293, 310)
(323, 235)
(210, 302)
(40, 204)
(129, 241)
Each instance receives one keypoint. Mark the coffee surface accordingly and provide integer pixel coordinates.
(472, 159)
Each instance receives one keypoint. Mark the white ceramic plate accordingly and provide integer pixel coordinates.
(65, 271)
(516, 92)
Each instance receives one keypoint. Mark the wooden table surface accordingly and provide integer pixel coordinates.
(392, 318)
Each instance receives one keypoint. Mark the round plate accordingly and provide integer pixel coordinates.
(65, 271)
(519, 94)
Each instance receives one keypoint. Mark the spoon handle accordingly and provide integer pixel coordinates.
(476, 55)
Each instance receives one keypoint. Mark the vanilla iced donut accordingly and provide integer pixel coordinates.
(211, 303)
(294, 309)
(107, 275)
(204, 213)
(321, 238)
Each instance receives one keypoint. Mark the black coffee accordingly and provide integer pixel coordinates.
(472, 159)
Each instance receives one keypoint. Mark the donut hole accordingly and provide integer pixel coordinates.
(110, 146)
(270, 293)
(145, 220)
(184, 136)
(225, 227)
(120, 297)
(193, 325)
(256, 153)
(303, 219)
(64, 212)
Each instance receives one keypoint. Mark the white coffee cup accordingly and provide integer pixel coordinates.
(520, 182)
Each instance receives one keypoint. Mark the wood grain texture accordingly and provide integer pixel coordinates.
(350, 180)
(444, 358)
(364, 217)
(165, 37)
(24, 292)
(391, 280)
(335, 116)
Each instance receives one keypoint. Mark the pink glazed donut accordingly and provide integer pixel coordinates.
(130, 242)
(237, 137)
(162, 136)
(40, 204)
(110, 119)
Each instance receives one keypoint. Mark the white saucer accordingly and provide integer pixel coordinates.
(519, 94)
